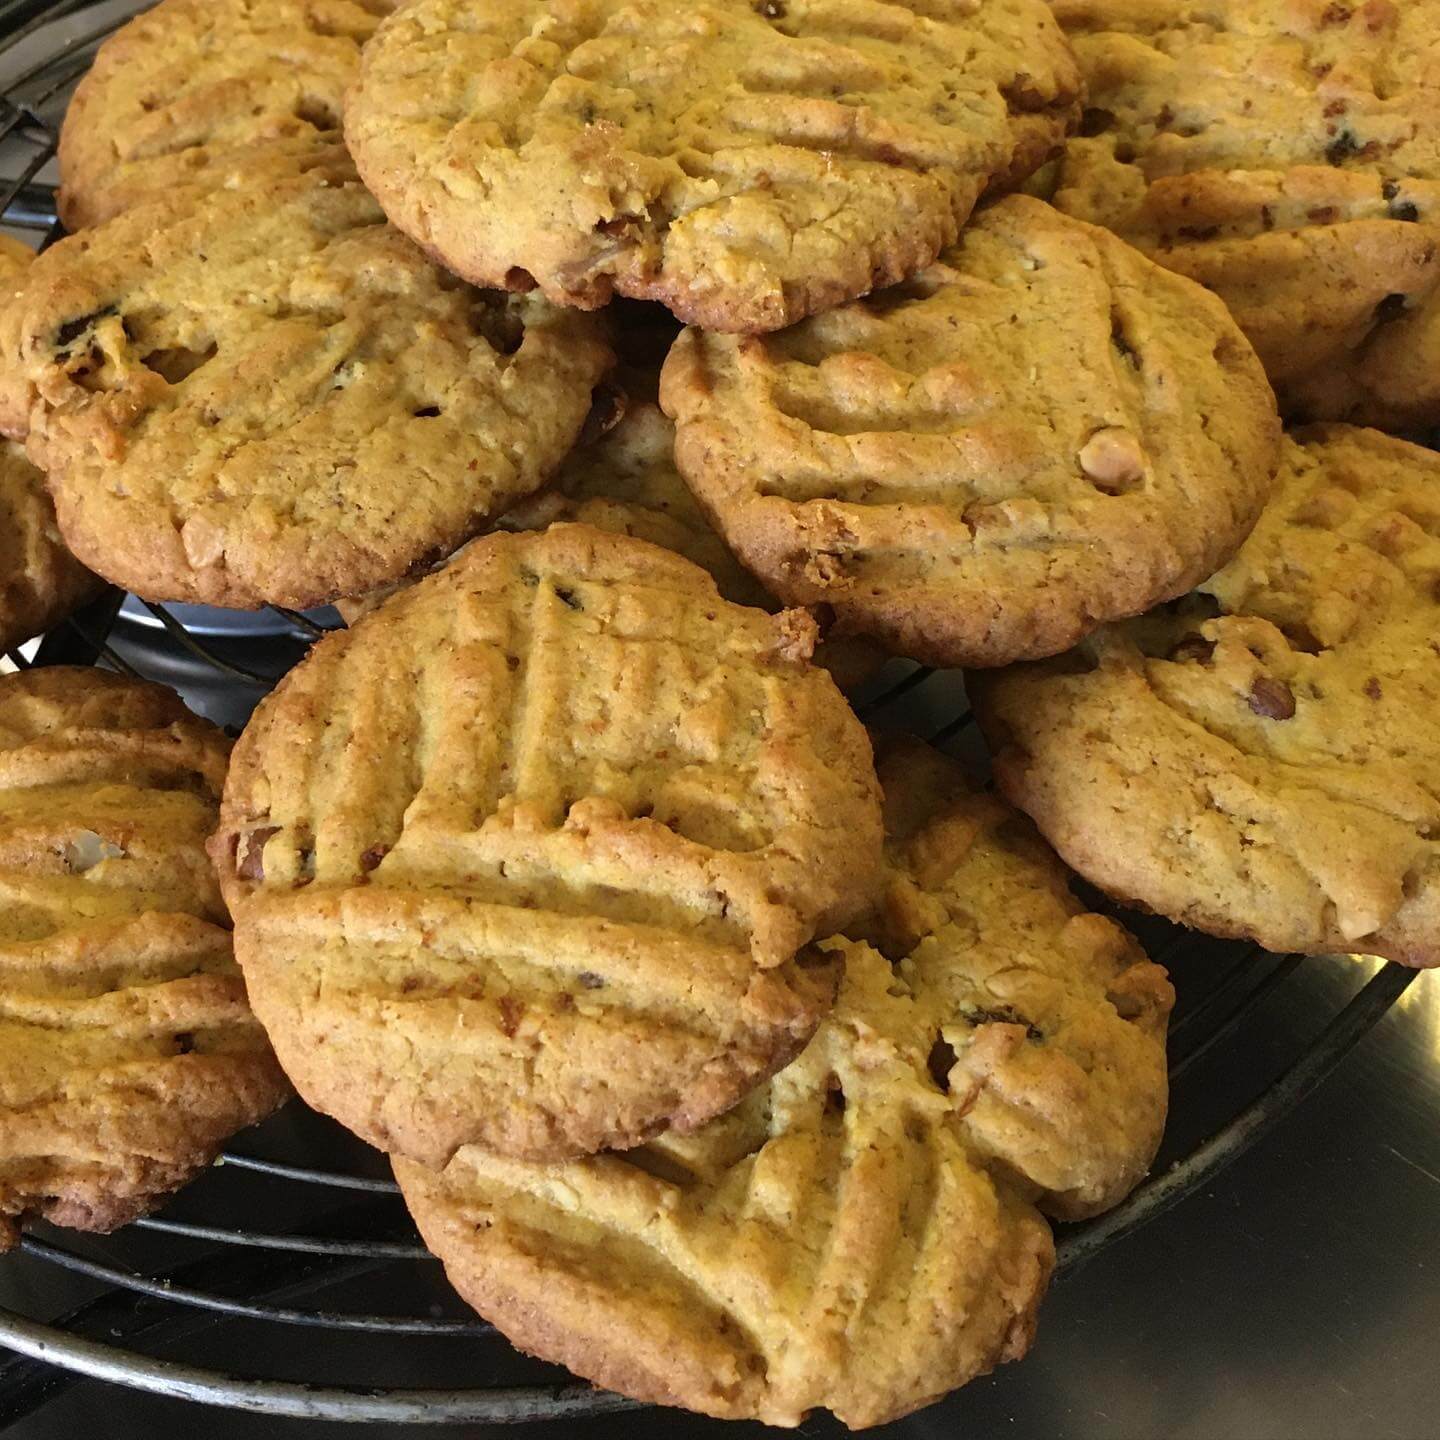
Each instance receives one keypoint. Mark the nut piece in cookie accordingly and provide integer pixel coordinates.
(1288, 158)
(1042, 431)
(1261, 760)
(533, 855)
(257, 391)
(744, 164)
(128, 1054)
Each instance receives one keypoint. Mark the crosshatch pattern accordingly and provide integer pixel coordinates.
(467, 843)
(300, 1227)
(128, 1055)
(779, 161)
(909, 459)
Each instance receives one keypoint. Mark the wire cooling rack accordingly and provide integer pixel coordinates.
(300, 1226)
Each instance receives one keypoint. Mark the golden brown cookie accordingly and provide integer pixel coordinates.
(626, 482)
(833, 1241)
(15, 261)
(128, 1054)
(525, 858)
(745, 164)
(15, 258)
(1262, 760)
(1050, 1021)
(258, 391)
(41, 582)
(189, 80)
(1040, 432)
(859, 1234)
(1288, 158)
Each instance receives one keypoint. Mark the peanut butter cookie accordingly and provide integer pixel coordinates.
(861, 1233)
(128, 1054)
(1261, 760)
(41, 582)
(15, 258)
(1050, 1021)
(626, 482)
(745, 164)
(15, 261)
(531, 856)
(833, 1241)
(186, 82)
(258, 391)
(1288, 158)
(1042, 431)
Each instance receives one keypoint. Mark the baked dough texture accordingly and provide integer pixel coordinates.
(745, 164)
(1051, 1020)
(1261, 761)
(625, 481)
(41, 582)
(1287, 156)
(181, 86)
(1042, 431)
(128, 1054)
(860, 1234)
(531, 856)
(257, 391)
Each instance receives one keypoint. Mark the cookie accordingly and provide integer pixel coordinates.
(1260, 760)
(260, 392)
(833, 1241)
(1288, 158)
(189, 80)
(743, 164)
(530, 856)
(626, 483)
(859, 1235)
(128, 1054)
(40, 581)
(984, 463)
(1050, 1021)
(15, 259)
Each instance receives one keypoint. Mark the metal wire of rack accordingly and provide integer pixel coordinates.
(336, 1226)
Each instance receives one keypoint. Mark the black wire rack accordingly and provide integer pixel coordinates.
(299, 1225)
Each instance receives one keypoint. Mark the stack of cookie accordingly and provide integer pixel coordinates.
(716, 1063)
(537, 873)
